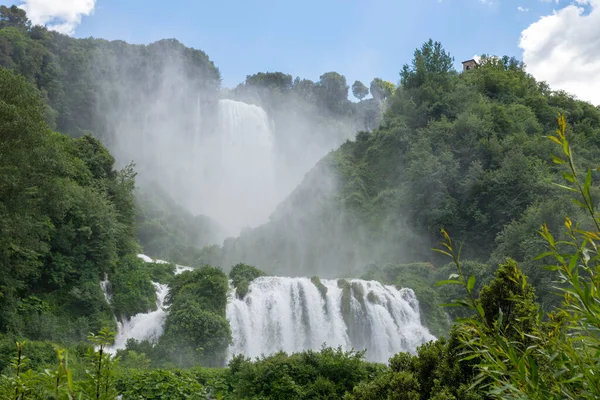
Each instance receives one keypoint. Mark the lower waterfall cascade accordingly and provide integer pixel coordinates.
(293, 314)
(297, 314)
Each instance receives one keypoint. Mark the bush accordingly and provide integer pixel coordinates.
(160, 384)
(327, 374)
(242, 275)
(132, 289)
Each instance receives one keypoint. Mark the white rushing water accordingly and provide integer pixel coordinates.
(105, 286)
(292, 315)
(240, 166)
(223, 169)
(142, 326)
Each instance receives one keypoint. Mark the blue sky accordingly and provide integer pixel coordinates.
(358, 38)
(361, 39)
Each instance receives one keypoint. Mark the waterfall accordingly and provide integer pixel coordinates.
(293, 314)
(143, 326)
(105, 286)
(216, 161)
(238, 186)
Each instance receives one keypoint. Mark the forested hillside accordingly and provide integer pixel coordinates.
(67, 218)
(464, 151)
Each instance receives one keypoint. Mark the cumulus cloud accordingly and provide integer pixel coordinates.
(522, 9)
(563, 49)
(59, 15)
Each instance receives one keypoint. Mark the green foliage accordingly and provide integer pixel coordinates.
(161, 272)
(131, 286)
(271, 80)
(206, 285)
(167, 231)
(520, 357)
(100, 382)
(94, 378)
(435, 372)
(131, 359)
(430, 62)
(194, 336)
(73, 75)
(398, 386)
(334, 89)
(359, 90)
(510, 300)
(322, 288)
(196, 330)
(327, 374)
(13, 17)
(160, 384)
(66, 218)
(241, 276)
(39, 354)
(381, 90)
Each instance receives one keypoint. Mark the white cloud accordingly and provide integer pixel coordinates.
(522, 9)
(563, 49)
(59, 15)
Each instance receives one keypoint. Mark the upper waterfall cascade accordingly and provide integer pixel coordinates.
(242, 183)
(295, 314)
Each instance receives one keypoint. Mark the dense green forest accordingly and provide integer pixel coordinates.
(466, 152)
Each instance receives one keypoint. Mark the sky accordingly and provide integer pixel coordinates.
(559, 40)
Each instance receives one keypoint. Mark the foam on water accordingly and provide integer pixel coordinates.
(292, 315)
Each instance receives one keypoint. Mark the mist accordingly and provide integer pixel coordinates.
(216, 153)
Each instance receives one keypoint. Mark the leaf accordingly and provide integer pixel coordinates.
(565, 187)
(448, 282)
(554, 139)
(543, 255)
(451, 305)
(587, 185)
(558, 160)
(453, 276)
(471, 283)
(568, 176)
(443, 252)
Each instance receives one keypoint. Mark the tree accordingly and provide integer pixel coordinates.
(271, 80)
(194, 335)
(381, 90)
(334, 89)
(429, 62)
(359, 90)
(509, 301)
(14, 17)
